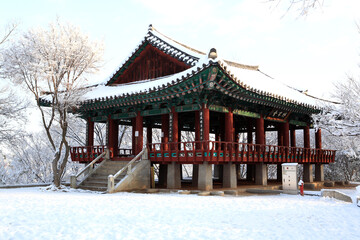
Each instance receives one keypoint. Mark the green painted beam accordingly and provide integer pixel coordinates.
(123, 115)
(298, 123)
(246, 113)
(188, 108)
(217, 108)
(154, 112)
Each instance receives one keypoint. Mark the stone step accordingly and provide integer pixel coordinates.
(99, 180)
(98, 177)
(95, 184)
(107, 172)
(93, 188)
(119, 166)
(115, 164)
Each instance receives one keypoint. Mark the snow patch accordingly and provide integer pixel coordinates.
(30, 213)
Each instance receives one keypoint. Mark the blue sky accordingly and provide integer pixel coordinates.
(309, 53)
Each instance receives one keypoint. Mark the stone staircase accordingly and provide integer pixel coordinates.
(98, 181)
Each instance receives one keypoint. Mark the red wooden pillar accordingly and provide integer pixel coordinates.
(138, 133)
(293, 137)
(206, 125)
(307, 136)
(133, 124)
(229, 126)
(318, 143)
(197, 125)
(89, 132)
(260, 168)
(175, 125)
(149, 134)
(280, 135)
(307, 167)
(285, 132)
(165, 131)
(113, 132)
(260, 130)
(319, 168)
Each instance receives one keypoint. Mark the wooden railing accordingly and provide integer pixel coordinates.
(86, 154)
(218, 152)
(215, 152)
(125, 152)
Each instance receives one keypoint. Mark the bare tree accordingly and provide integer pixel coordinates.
(303, 7)
(341, 122)
(11, 104)
(8, 31)
(55, 61)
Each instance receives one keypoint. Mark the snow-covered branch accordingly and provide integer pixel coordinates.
(57, 60)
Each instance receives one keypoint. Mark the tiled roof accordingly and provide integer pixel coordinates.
(248, 77)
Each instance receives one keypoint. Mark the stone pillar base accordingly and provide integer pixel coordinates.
(173, 175)
(308, 172)
(195, 175)
(319, 172)
(229, 176)
(261, 174)
(205, 181)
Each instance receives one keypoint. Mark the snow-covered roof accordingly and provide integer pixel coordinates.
(259, 82)
(248, 77)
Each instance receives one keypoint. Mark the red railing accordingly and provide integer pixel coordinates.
(221, 152)
(215, 152)
(86, 154)
(89, 153)
(125, 152)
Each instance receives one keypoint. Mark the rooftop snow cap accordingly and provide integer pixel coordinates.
(212, 53)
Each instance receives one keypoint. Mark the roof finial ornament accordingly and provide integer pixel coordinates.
(151, 27)
(212, 53)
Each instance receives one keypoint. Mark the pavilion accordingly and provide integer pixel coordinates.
(167, 85)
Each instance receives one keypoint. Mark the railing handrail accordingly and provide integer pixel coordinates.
(199, 151)
(239, 143)
(111, 178)
(91, 164)
(129, 164)
(89, 169)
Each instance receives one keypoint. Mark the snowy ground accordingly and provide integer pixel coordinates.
(32, 213)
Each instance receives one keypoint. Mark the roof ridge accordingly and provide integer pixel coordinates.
(151, 28)
(239, 65)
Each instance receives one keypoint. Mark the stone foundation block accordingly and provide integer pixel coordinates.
(217, 193)
(329, 184)
(309, 186)
(336, 194)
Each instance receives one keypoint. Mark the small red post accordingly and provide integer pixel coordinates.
(301, 184)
